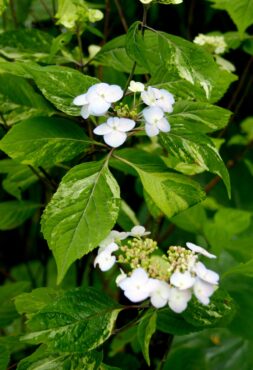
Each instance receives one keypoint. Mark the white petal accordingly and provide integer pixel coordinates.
(152, 114)
(115, 138)
(140, 275)
(113, 247)
(198, 249)
(99, 107)
(120, 277)
(203, 290)
(182, 280)
(102, 129)
(148, 97)
(125, 124)
(151, 130)
(85, 111)
(80, 100)
(157, 300)
(136, 86)
(205, 274)
(163, 125)
(96, 90)
(159, 292)
(105, 261)
(139, 231)
(136, 295)
(178, 299)
(113, 93)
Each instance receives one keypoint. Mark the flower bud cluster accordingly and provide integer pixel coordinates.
(100, 98)
(170, 279)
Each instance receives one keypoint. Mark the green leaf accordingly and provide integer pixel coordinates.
(31, 303)
(127, 218)
(5, 355)
(192, 219)
(202, 117)
(219, 312)
(3, 5)
(8, 312)
(186, 358)
(44, 359)
(146, 329)
(60, 85)
(81, 213)
(172, 323)
(113, 54)
(171, 192)
(194, 148)
(44, 141)
(241, 290)
(19, 177)
(78, 321)
(13, 213)
(239, 10)
(25, 44)
(19, 100)
(241, 269)
(224, 233)
(180, 66)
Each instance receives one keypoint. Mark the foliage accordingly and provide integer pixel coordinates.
(105, 130)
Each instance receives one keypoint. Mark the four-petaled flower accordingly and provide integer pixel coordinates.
(114, 130)
(155, 121)
(138, 231)
(137, 287)
(105, 260)
(158, 98)
(98, 99)
(200, 250)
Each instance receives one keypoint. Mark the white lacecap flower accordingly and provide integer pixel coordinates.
(98, 99)
(217, 43)
(138, 286)
(178, 299)
(159, 293)
(93, 50)
(113, 236)
(120, 277)
(182, 280)
(114, 130)
(105, 260)
(138, 231)
(95, 15)
(155, 121)
(203, 290)
(205, 274)
(146, 1)
(158, 98)
(200, 250)
(136, 86)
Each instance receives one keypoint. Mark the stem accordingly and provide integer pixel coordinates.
(143, 25)
(46, 8)
(48, 177)
(241, 83)
(121, 15)
(43, 179)
(5, 124)
(54, 6)
(129, 78)
(13, 14)
(80, 46)
(169, 343)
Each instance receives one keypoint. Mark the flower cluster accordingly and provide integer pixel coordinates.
(170, 279)
(216, 45)
(101, 97)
